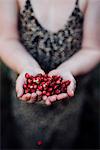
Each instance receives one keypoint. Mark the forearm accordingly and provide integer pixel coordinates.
(14, 55)
(82, 62)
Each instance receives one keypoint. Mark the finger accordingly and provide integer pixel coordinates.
(62, 96)
(44, 97)
(47, 102)
(39, 96)
(25, 97)
(38, 93)
(19, 86)
(33, 98)
(71, 88)
(22, 98)
(52, 98)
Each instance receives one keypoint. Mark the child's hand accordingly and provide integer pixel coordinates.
(29, 98)
(67, 75)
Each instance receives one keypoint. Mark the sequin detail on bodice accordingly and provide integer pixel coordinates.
(50, 49)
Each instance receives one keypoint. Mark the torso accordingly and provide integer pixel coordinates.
(54, 33)
(53, 14)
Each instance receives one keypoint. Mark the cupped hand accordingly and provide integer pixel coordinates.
(66, 75)
(29, 98)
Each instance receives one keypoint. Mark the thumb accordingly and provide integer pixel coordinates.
(71, 88)
(19, 86)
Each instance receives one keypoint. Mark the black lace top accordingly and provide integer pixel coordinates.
(50, 49)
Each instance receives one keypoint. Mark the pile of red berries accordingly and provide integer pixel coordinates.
(46, 84)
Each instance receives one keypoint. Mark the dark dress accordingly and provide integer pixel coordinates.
(57, 126)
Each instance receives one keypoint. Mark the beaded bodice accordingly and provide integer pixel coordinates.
(50, 49)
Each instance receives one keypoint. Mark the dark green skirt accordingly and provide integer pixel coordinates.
(66, 124)
(72, 123)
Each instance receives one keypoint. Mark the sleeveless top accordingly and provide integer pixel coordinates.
(50, 49)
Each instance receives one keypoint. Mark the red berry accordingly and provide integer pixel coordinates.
(50, 89)
(28, 86)
(32, 90)
(45, 75)
(48, 94)
(55, 87)
(45, 79)
(39, 142)
(33, 79)
(58, 81)
(36, 81)
(47, 83)
(38, 78)
(63, 90)
(27, 76)
(35, 86)
(42, 78)
(40, 88)
(26, 91)
(44, 92)
(42, 83)
(57, 78)
(25, 86)
(54, 77)
(52, 84)
(49, 78)
(63, 85)
(29, 81)
(68, 82)
(57, 91)
(31, 86)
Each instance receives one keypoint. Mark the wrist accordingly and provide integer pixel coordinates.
(66, 68)
(62, 69)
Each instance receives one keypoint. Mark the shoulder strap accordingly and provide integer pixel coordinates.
(77, 2)
(28, 2)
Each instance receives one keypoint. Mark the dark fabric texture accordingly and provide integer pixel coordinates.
(50, 49)
(22, 125)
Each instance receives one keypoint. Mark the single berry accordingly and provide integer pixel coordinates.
(44, 92)
(68, 82)
(32, 90)
(40, 88)
(55, 87)
(29, 86)
(27, 91)
(35, 86)
(57, 91)
(50, 89)
(48, 94)
(43, 84)
(27, 76)
(58, 81)
(39, 142)
(25, 86)
(29, 81)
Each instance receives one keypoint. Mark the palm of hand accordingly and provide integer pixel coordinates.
(70, 89)
(30, 98)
